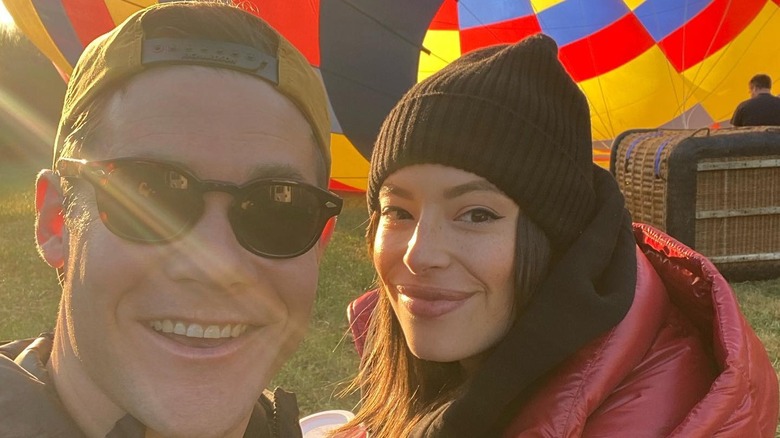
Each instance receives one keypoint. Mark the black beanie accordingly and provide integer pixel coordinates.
(510, 114)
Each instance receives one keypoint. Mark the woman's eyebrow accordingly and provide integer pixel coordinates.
(452, 192)
(390, 189)
(462, 189)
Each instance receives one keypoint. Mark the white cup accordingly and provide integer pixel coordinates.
(317, 425)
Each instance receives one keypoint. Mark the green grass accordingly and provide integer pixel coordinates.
(326, 359)
(760, 301)
(28, 287)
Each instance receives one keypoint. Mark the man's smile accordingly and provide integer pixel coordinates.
(195, 330)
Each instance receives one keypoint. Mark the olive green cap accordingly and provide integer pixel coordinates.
(126, 51)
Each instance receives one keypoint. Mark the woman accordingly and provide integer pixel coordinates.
(514, 296)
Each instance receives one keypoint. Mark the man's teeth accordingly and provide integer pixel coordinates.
(198, 331)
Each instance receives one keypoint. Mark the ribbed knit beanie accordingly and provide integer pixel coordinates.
(510, 114)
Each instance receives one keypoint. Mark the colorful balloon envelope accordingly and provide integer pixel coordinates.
(641, 63)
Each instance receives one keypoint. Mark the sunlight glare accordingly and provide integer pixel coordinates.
(5, 18)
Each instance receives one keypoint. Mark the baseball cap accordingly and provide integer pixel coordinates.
(127, 50)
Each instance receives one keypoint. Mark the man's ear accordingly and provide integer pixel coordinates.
(327, 233)
(50, 232)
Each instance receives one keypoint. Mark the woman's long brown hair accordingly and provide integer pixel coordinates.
(397, 388)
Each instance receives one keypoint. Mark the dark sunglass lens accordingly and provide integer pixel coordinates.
(278, 219)
(147, 202)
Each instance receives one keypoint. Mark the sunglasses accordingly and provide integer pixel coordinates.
(157, 202)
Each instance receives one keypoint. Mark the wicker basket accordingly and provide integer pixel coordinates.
(716, 191)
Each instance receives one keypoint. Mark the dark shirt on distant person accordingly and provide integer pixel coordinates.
(762, 110)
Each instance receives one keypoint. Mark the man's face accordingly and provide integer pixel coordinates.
(222, 126)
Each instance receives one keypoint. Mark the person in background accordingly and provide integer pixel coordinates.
(183, 213)
(762, 109)
(515, 297)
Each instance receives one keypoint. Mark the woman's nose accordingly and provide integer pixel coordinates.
(428, 248)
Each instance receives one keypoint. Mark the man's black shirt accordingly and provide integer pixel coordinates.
(763, 109)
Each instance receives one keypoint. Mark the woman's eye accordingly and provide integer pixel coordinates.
(395, 213)
(479, 215)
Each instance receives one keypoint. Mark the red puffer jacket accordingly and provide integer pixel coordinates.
(683, 362)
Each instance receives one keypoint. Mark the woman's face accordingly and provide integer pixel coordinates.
(445, 249)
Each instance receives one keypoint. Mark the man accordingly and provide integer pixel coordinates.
(183, 213)
(762, 108)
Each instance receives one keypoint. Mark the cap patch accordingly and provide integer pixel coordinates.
(211, 53)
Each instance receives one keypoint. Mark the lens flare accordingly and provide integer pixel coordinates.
(37, 132)
(6, 21)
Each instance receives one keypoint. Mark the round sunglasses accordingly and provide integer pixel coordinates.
(156, 202)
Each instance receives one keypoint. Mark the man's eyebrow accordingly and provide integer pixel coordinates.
(273, 170)
(280, 171)
(473, 186)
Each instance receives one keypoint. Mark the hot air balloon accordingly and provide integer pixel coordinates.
(641, 63)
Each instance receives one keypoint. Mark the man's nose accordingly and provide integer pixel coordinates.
(209, 253)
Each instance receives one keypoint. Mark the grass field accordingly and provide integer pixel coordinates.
(326, 360)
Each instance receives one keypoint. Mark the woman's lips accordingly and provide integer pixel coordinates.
(430, 302)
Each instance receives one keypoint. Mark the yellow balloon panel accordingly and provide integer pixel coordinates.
(349, 167)
(643, 93)
(444, 46)
(633, 4)
(540, 5)
(26, 19)
(722, 79)
(119, 10)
